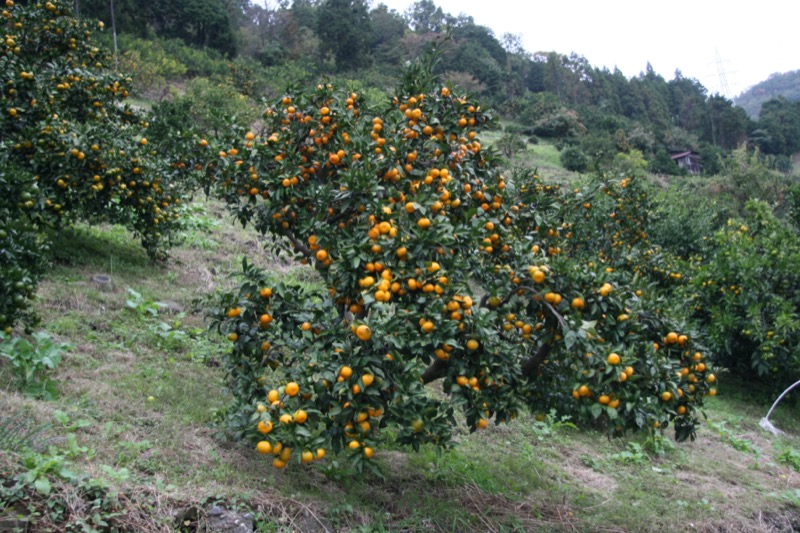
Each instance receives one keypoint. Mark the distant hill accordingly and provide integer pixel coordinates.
(786, 84)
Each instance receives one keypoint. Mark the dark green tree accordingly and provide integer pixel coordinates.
(483, 37)
(203, 23)
(131, 16)
(388, 28)
(344, 28)
(472, 58)
(687, 103)
(426, 17)
(727, 125)
(780, 120)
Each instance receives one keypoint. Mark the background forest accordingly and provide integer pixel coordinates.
(256, 50)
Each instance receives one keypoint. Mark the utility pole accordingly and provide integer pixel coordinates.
(114, 32)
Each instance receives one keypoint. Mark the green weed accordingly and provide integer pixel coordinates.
(32, 363)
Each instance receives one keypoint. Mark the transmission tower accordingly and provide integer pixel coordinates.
(723, 79)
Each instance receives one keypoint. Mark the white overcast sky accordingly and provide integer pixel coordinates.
(748, 40)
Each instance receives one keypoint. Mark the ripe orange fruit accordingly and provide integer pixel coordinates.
(273, 396)
(613, 359)
(367, 379)
(424, 223)
(286, 454)
(354, 445)
(583, 390)
(300, 416)
(363, 332)
(345, 372)
(234, 312)
(306, 457)
(482, 423)
(292, 388)
(279, 464)
(472, 344)
(578, 303)
(264, 427)
(538, 276)
(320, 453)
(264, 447)
(368, 452)
(322, 255)
(666, 396)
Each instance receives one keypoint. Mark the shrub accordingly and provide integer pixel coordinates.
(560, 124)
(510, 143)
(573, 158)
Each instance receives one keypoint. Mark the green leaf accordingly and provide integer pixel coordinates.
(570, 338)
(42, 485)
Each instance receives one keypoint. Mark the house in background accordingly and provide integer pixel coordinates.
(687, 160)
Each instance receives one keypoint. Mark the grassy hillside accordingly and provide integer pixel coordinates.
(140, 388)
(543, 156)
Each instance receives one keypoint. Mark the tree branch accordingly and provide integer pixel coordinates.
(532, 364)
(436, 371)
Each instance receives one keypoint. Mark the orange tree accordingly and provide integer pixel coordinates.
(71, 148)
(435, 268)
(747, 296)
